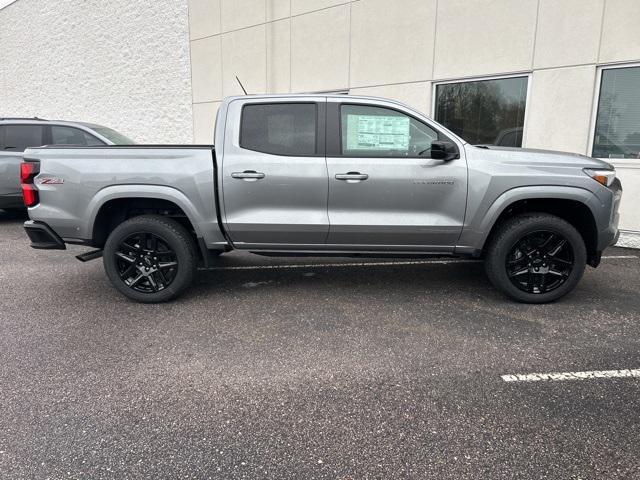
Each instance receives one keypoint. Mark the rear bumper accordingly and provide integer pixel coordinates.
(42, 236)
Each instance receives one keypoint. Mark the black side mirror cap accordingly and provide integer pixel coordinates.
(443, 150)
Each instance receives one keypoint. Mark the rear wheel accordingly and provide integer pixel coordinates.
(150, 258)
(536, 258)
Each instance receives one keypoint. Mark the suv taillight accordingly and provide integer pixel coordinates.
(28, 171)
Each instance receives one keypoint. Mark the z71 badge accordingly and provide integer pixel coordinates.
(50, 181)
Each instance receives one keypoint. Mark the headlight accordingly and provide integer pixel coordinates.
(605, 177)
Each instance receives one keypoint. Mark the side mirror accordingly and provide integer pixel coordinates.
(442, 150)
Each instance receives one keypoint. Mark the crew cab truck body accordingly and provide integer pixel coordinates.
(324, 175)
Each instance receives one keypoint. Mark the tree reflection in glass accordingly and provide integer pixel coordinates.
(484, 111)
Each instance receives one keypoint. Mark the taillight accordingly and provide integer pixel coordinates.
(28, 171)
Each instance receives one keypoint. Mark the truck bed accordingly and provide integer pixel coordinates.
(75, 183)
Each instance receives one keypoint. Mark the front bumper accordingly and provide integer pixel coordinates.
(42, 236)
(610, 234)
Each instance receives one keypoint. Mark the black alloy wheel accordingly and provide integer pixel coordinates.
(146, 263)
(540, 262)
(150, 258)
(535, 257)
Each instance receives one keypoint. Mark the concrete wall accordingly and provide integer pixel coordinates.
(157, 70)
(399, 49)
(121, 63)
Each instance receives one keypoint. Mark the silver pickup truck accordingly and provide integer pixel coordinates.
(323, 175)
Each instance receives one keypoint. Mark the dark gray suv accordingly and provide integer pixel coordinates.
(18, 134)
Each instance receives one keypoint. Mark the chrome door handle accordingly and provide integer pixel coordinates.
(249, 175)
(357, 176)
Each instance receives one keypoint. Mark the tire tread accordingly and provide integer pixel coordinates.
(494, 256)
(188, 265)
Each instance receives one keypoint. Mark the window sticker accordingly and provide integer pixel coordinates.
(377, 132)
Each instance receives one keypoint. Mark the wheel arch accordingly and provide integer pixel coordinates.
(576, 205)
(114, 205)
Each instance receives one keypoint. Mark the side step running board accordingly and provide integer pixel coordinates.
(92, 255)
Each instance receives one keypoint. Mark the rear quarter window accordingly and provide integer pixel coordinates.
(63, 135)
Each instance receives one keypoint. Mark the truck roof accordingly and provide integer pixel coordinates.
(305, 95)
(339, 96)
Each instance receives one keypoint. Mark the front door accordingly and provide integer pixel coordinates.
(384, 189)
(274, 174)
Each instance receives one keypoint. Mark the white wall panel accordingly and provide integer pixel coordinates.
(620, 31)
(416, 95)
(567, 38)
(119, 63)
(391, 42)
(481, 37)
(320, 50)
(559, 109)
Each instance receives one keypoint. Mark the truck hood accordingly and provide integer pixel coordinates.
(542, 157)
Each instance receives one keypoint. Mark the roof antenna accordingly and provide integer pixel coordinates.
(241, 86)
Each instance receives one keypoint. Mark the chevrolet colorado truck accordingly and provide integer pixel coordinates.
(323, 175)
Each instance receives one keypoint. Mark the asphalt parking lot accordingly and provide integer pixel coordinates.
(313, 368)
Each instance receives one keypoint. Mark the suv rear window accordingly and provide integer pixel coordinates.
(17, 138)
(279, 128)
(62, 135)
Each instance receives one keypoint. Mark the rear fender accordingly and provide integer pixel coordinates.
(206, 228)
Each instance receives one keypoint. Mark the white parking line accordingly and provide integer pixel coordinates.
(560, 376)
(369, 264)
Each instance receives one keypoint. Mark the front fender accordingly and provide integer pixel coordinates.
(481, 221)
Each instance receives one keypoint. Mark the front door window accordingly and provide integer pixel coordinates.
(369, 131)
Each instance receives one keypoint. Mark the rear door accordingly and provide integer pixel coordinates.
(274, 173)
(385, 190)
(15, 139)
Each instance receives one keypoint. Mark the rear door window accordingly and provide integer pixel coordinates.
(62, 135)
(279, 128)
(17, 138)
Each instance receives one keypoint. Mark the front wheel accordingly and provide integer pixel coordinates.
(536, 258)
(150, 258)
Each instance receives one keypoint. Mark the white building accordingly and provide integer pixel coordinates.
(555, 74)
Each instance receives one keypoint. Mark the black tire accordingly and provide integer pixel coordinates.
(504, 250)
(175, 244)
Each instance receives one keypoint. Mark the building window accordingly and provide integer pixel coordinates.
(617, 133)
(484, 111)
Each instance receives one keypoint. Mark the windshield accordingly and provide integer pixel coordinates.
(113, 136)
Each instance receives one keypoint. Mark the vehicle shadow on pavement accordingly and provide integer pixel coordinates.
(13, 216)
(377, 281)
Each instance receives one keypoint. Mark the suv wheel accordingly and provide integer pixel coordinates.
(150, 258)
(536, 258)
